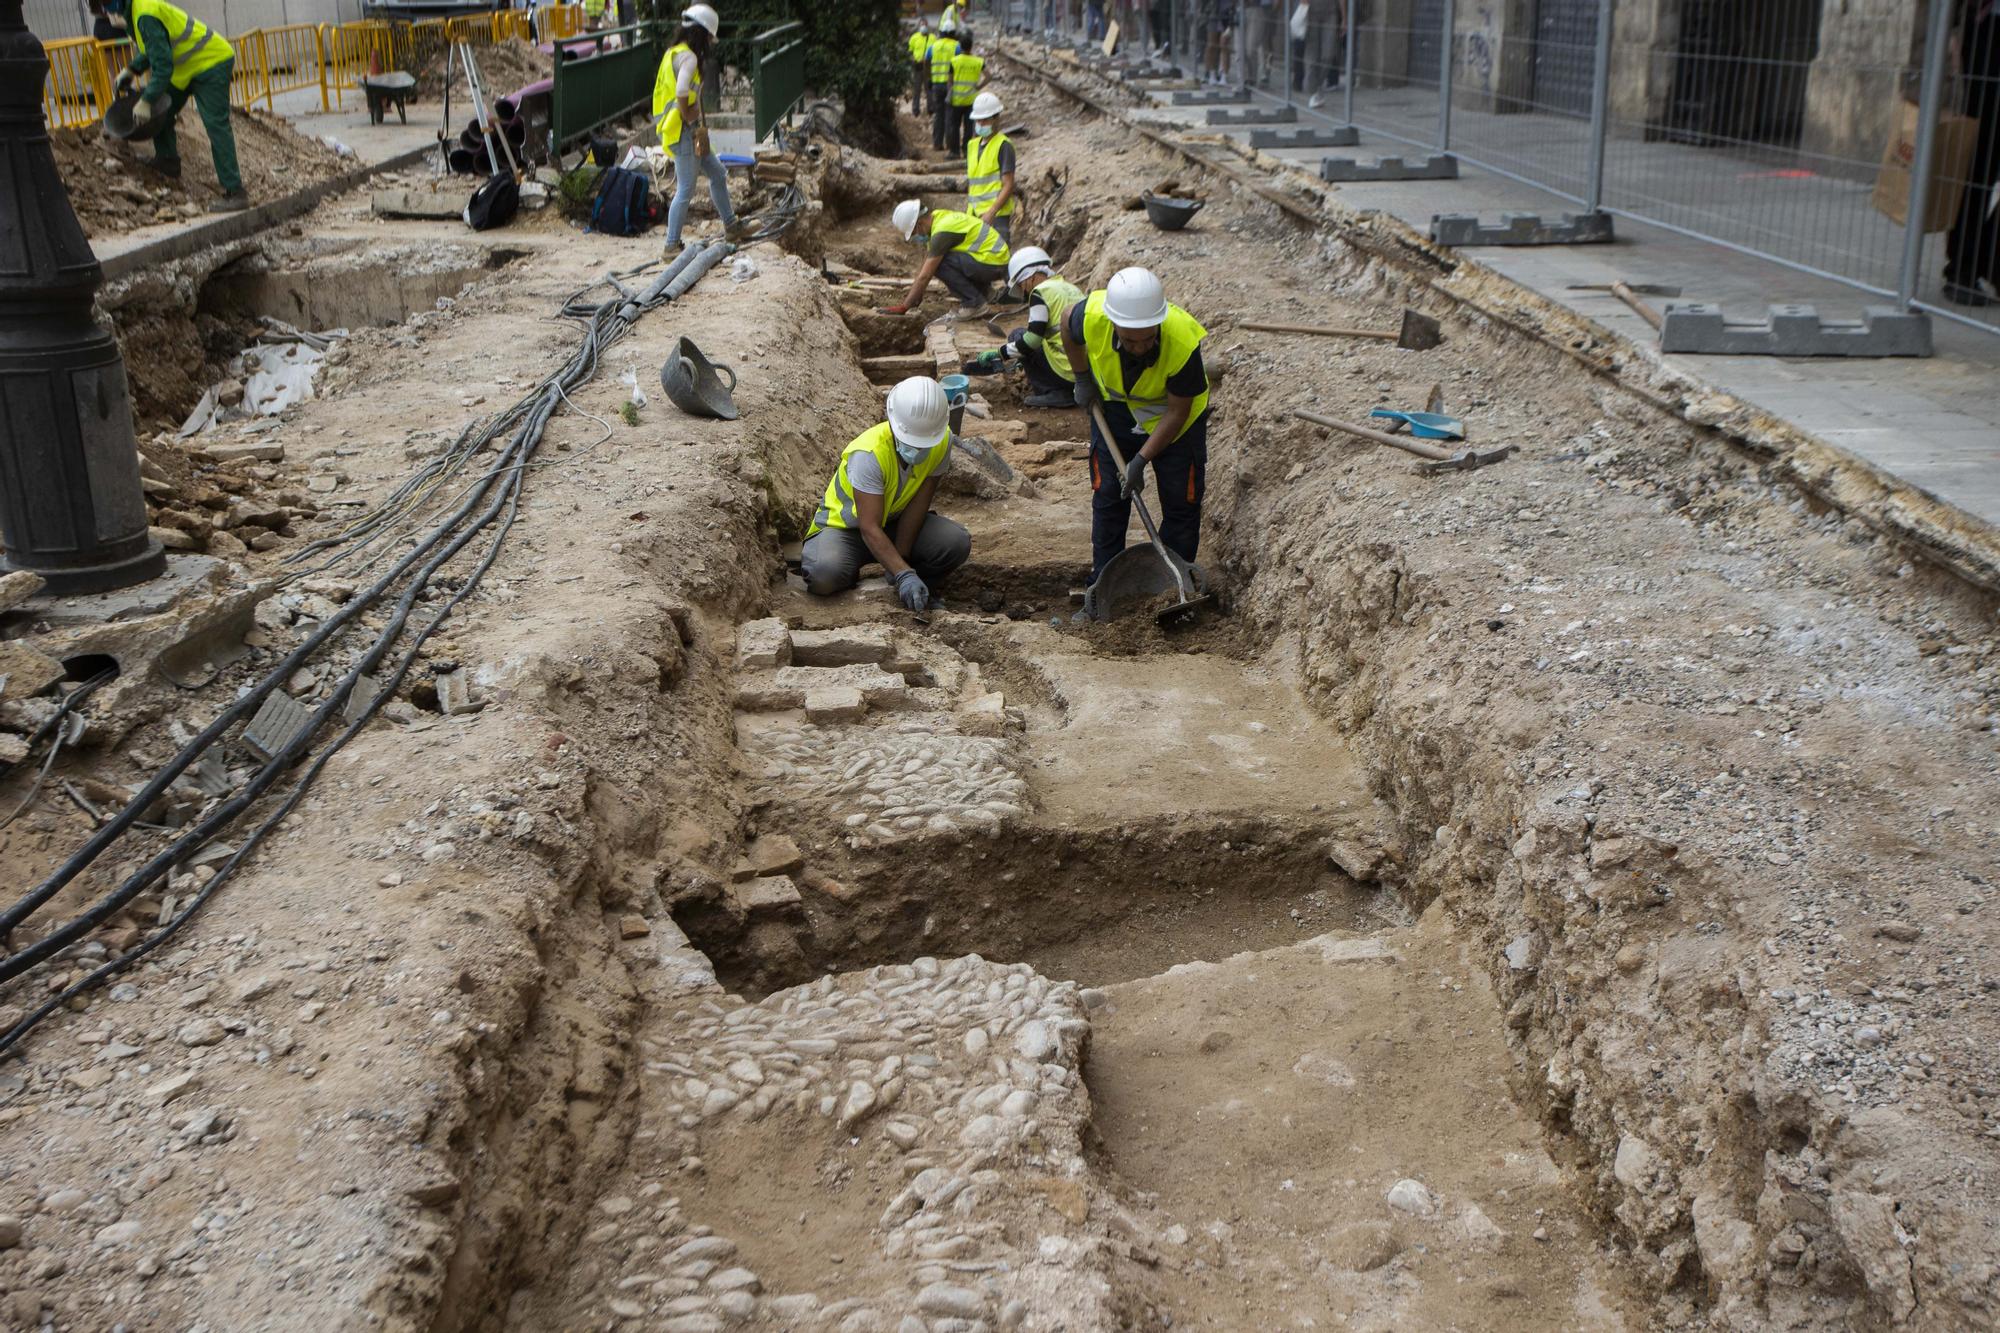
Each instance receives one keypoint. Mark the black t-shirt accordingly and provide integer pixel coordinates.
(1190, 381)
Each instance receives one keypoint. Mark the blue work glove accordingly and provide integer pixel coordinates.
(1135, 476)
(910, 587)
(1086, 392)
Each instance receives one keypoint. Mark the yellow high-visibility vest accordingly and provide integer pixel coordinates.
(982, 174)
(667, 97)
(942, 50)
(197, 47)
(837, 509)
(1146, 397)
(1058, 294)
(980, 240)
(920, 47)
(965, 72)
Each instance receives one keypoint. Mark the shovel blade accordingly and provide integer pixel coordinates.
(1138, 575)
(1420, 332)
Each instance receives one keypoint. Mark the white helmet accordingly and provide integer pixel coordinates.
(705, 15)
(986, 106)
(1134, 299)
(919, 416)
(906, 215)
(1028, 259)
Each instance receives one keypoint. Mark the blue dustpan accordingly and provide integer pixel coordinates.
(1425, 425)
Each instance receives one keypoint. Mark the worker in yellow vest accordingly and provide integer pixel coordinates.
(593, 15)
(948, 19)
(943, 48)
(1140, 359)
(184, 59)
(877, 508)
(989, 168)
(967, 255)
(968, 71)
(1038, 348)
(677, 112)
(920, 65)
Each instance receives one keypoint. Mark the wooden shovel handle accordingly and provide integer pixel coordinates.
(1322, 330)
(1407, 445)
(1631, 298)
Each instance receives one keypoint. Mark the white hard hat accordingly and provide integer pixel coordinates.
(906, 215)
(705, 15)
(919, 416)
(1027, 259)
(1134, 299)
(986, 106)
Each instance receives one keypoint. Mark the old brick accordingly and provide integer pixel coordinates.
(763, 644)
(851, 646)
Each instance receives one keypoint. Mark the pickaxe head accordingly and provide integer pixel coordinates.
(1419, 333)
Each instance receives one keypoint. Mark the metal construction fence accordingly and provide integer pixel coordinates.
(331, 57)
(1799, 132)
(777, 75)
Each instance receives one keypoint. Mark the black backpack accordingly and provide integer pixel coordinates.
(495, 203)
(621, 207)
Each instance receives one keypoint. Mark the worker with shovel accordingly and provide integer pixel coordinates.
(1038, 348)
(963, 252)
(878, 506)
(989, 168)
(184, 59)
(1139, 358)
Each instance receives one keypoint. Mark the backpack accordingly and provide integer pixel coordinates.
(495, 203)
(621, 207)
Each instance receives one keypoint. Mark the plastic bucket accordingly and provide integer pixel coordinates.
(957, 389)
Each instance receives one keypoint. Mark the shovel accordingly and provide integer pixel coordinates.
(1419, 332)
(1140, 573)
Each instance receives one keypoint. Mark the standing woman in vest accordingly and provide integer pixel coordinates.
(1141, 358)
(920, 65)
(943, 47)
(965, 253)
(989, 168)
(677, 109)
(877, 508)
(187, 59)
(968, 71)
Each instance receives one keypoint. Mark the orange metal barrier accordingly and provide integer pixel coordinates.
(349, 50)
(79, 83)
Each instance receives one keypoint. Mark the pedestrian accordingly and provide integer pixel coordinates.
(943, 47)
(1160, 28)
(1139, 359)
(968, 72)
(920, 65)
(1093, 20)
(593, 15)
(1039, 346)
(989, 168)
(183, 59)
(1972, 248)
(1319, 54)
(677, 112)
(964, 253)
(1219, 34)
(877, 508)
(1258, 21)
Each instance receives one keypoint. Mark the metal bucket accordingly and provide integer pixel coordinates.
(1170, 214)
(694, 383)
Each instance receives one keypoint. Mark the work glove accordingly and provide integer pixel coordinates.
(911, 588)
(1135, 476)
(892, 310)
(126, 79)
(1086, 392)
(988, 362)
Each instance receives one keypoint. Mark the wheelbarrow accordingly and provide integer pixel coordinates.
(394, 88)
(1138, 574)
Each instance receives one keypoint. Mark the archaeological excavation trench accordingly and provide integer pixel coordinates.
(1551, 897)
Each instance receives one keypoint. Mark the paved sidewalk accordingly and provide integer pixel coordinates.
(1933, 422)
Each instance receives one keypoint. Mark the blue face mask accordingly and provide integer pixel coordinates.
(910, 454)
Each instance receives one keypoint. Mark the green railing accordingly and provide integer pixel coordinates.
(777, 75)
(593, 89)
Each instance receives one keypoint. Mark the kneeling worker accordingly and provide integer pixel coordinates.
(185, 57)
(967, 255)
(1141, 358)
(878, 506)
(1039, 346)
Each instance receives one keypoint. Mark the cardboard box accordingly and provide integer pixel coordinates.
(1951, 163)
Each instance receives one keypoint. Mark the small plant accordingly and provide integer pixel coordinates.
(630, 411)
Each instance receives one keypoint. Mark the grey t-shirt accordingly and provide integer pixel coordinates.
(864, 474)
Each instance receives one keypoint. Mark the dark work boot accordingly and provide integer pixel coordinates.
(233, 202)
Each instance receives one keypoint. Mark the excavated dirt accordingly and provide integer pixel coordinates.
(1555, 896)
(503, 67)
(114, 192)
